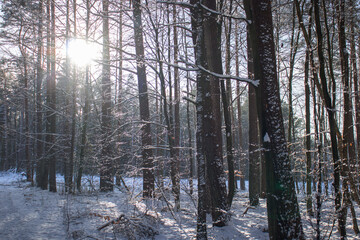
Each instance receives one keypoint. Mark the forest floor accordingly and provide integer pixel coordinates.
(27, 213)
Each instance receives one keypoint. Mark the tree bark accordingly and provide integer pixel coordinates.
(331, 117)
(307, 128)
(119, 92)
(213, 149)
(254, 144)
(175, 162)
(226, 96)
(38, 96)
(106, 163)
(208, 139)
(349, 154)
(83, 138)
(147, 155)
(355, 77)
(283, 211)
(51, 101)
(241, 160)
(44, 161)
(66, 140)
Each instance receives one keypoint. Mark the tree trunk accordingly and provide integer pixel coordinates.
(293, 50)
(349, 154)
(44, 162)
(331, 117)
(83, 140)
(73, 118)
(355, 75)
(175, 162)
(106, 164)
(66, 139)
(226, 96)
(241, 160)
(202, 86)
(38, 95)
(190, 145)
(254, 144)
(307, 126)
(213, 149)
(51, 102)
(283, 211)
(119, 97)
(208, 138)
(308, 139)
(29, 165)
(147, 155)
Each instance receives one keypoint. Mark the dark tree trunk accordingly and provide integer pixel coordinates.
(353, 60)
(175, 162)
(254, 144)
(322, 88)
(39, 116)
(189, 126)
(208, 138)
(106, 164)
(307, 125)
(83, 140)
(119, 92)
(190, 146)
(51, 101)
(202, 85)
(66, 139)
(349, 154)
(212, 132)
(226, 96)
(147, 155)
(283, 211)
(44, 161)
(241, 160)
(73, 118)
(29, 165)
(331, 117)
(293, 50)
(308, 138)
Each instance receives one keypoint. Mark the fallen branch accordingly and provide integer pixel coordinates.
(111, 222)
(247, 209)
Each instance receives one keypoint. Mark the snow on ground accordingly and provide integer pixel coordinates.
(28, 213)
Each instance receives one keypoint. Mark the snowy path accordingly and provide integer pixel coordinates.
(29, 213)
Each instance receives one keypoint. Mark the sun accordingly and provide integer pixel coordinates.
(81, 52)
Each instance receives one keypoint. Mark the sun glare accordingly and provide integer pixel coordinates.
(82, 53)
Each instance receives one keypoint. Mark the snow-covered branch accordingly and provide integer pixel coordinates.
(255, 83)
(182, 4)
(225, 15)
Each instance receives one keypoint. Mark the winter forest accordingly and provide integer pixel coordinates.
(179, 119)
